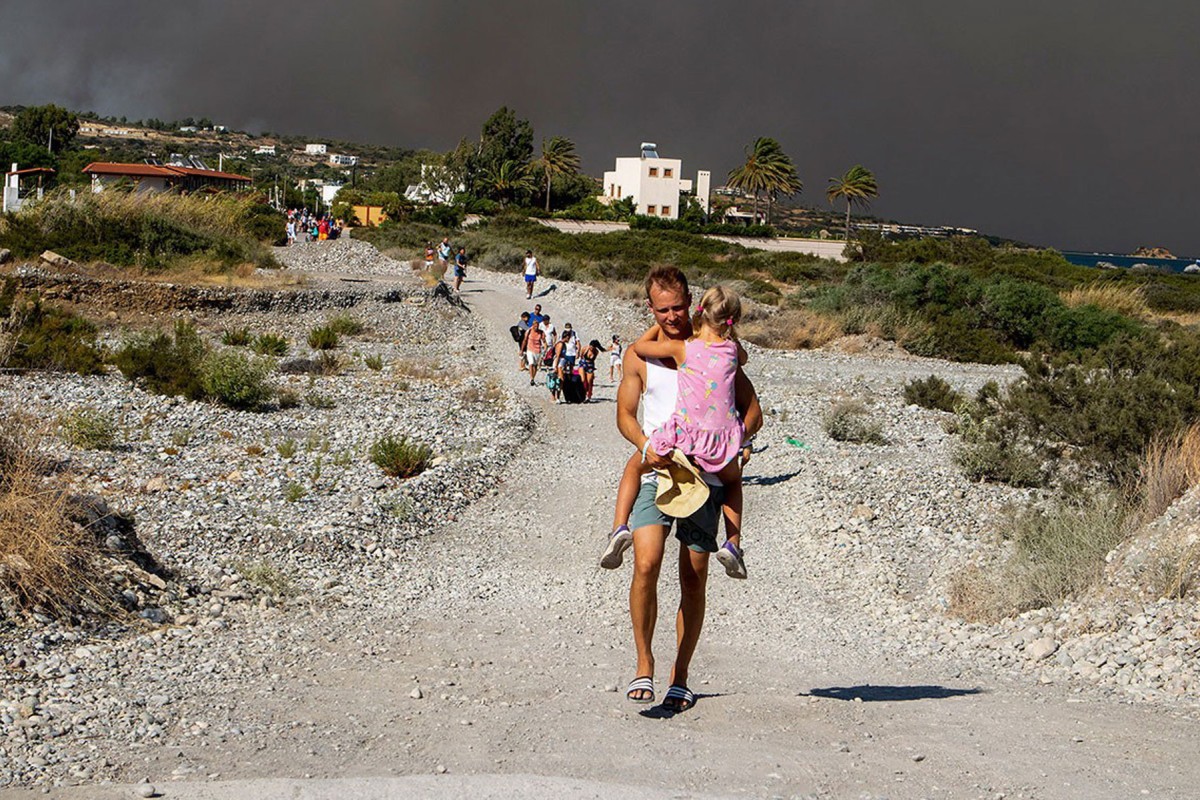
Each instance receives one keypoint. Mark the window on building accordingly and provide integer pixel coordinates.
(620, 193)
(668, 172)
(612, 190)
(650, 210)
(666, 211)
(654, 172)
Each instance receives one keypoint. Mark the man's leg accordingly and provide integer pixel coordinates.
(693, 583)
(648, 544)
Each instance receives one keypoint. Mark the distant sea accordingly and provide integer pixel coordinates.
(1094, 259)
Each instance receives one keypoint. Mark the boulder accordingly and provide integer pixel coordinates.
(5, 255)
(55, 260)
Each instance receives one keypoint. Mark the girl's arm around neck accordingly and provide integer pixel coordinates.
(668, 348)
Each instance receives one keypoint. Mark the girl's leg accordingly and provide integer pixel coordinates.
(627, 490)
(731, 479)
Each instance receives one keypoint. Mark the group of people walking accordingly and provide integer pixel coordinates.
(311, 227)
(569, 364)
(446, 256)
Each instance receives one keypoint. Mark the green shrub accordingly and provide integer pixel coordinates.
(293, 492)
(1018, 310)
(236, 380)
(165, 363)
(848, 421)
(88, 429)
(287, 398)
(266, 577)
(270, 344)
(345, 325)
(286, 448)
(323, 338)
(1087, 327)
(399, 457)
(48, 337)
(237, 337)
(933, 393)
(956, 336)
(319, 400)
(373, 362)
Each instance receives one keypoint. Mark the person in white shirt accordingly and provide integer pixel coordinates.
(532, 270)
(653, 385)
(550, 331)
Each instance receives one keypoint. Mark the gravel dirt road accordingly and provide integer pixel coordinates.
(498, 665)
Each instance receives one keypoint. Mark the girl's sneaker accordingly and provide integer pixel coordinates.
(731, 559)
(618, 542)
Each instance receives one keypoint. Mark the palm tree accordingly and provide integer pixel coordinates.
(507, 180)
(786, 182)
(558, 158)
(857, 187)
(767, 170)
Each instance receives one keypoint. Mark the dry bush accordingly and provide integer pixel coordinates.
(1057, 552)
(46, 561)
(1126, 300)
(850, 421)
(624, 290)
(976, 595)
(419, 370)
(1170, 466)
(488, 393)
(799, 329)
(1179, 572)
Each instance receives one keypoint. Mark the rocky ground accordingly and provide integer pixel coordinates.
(456, 623)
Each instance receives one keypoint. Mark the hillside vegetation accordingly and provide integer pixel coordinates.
(154, 231)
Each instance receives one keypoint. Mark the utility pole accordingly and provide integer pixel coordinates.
(50, 144)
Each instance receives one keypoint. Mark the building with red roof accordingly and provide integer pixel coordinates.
(164, 177)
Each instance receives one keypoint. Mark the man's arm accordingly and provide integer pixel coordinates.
(747, 403)
(629, 394)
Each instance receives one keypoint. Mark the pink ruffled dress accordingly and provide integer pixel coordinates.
(705, 424)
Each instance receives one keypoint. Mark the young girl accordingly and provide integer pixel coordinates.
(615, 353)
(705, 425)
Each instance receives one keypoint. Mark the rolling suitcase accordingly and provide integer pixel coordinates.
(572, 389)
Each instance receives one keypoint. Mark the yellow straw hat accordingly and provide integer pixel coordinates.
(681, 490)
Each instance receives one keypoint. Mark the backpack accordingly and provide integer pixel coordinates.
(517, 335)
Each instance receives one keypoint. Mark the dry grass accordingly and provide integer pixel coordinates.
(1121, 299)
(1057, 552)
(488, 393)
(799, 329)
(623, 290)
(47, 562)
(417, 370)
(197, 271)
(1187, 319)
(1170, 466)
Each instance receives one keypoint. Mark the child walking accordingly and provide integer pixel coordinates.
(705, 425)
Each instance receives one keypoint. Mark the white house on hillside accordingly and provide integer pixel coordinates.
(316, 149)
(654, 183)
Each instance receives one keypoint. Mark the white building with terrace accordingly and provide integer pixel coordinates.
(654, 183)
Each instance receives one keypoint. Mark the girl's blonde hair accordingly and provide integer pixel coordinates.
(720, 308)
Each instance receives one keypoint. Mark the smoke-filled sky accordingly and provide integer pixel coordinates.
(1071, 123)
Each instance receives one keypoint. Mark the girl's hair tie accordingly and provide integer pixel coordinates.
(729, 321)
(700, 309)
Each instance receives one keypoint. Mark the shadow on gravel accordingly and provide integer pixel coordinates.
(889, 694)
(660, 711)
(768, 480)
